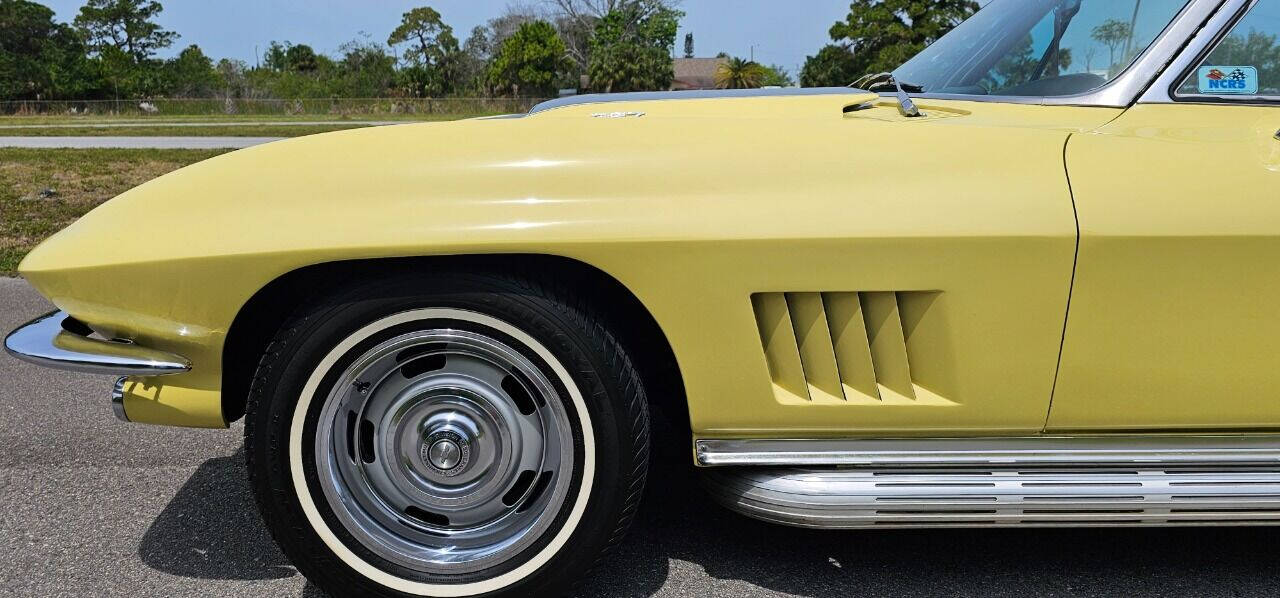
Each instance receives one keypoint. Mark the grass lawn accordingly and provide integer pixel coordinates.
(80, 178)
(225, 118)
(170, 131)
(207, 126)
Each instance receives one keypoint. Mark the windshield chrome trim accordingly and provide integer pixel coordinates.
(1161, 91)
(699, 94)
(1125, 89)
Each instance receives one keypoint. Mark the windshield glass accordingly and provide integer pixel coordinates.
(1039, 47)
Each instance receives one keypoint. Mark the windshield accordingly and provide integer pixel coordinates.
(1039, 47)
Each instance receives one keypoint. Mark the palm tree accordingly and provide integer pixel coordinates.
(740, 74)
(1113, 33)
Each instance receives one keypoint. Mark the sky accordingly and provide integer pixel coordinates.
(782, 32)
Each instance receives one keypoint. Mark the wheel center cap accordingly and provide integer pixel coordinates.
(444, 454)
(447, 452)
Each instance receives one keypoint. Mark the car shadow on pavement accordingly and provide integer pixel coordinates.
(211, 529)
(684, 544)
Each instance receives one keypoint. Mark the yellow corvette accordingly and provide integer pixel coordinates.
(1029, 278)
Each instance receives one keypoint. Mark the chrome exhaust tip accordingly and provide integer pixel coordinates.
(117, 399)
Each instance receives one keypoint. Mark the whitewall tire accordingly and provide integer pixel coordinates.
(463, 434)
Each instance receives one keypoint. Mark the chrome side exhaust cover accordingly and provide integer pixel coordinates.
(1037, 482)
(845, 499)
(117, 399)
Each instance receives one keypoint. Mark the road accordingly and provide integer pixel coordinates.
(136, 142)
(96, 507)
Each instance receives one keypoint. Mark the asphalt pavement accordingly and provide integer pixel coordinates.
(135, 142)
(93, 507)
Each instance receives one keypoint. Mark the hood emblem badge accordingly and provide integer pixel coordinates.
(631, 114)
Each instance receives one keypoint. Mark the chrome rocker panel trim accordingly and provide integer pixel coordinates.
(56, 340)
(1027, 451)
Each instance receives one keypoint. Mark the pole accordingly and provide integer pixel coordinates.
(1133, 24)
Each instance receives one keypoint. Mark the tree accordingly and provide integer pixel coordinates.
(1112, 33)
(125, 25)
(276, 58)
(436, 63)
(429, 38)
(577, 20)
(40, 58)
(301, 58)
(1020, 64)
(740, 74)
(366, 70)
(478, 45)
(883, 34)
(232, 77)
(776, 75)
(484, 41)
(289, 57)
(506, 24)
(631, 51)
(191, 74)
(474, 61)
(833, 66)
(530, 62)
(688, 45)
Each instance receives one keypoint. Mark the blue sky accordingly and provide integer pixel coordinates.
(783, 32)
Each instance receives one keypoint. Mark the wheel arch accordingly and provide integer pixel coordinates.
(257, 320)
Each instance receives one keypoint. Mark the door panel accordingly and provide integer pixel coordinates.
(1174, 320)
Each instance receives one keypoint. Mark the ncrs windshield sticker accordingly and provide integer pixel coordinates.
(1242, 80)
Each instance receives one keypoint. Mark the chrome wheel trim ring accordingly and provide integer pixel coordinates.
(543, 554)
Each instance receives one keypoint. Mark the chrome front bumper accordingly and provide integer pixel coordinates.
(57, 340)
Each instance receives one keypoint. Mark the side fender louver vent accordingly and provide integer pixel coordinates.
(842, 347)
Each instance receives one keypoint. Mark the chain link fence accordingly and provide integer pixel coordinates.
(257, 106)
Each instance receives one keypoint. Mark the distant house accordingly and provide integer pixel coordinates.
(696, 73)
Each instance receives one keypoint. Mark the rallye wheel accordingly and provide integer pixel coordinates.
(456, 434)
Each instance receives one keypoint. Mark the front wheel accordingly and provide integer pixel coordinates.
(459, 435)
